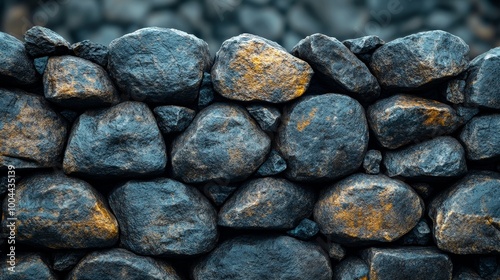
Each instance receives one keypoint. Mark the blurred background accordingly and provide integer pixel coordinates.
(284, 21)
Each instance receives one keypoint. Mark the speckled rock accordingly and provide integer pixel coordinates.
(440, 157)
(351, 268)
(32, 135)
(365, 208)
(420, 235)
(121, 141)
(365, 44)
(64, 260)
(264, 258)
(466, 113)
(16, 67)
(41, 64)
(267, 203)
(268, 117)
(60, 212)
(371, 162)
(305, 230)
(147, 65)
(77, 83)
(482, 80)
(419, 59)
(273, 165)
(455, 91)
(163, 217)
(91, 51)
(481, 137)
(329, 57)
(336, 251)
(316, 137)
(218, 192)
(171, 118)
(402, 119)
(250, 68)
(222, 143)
(119, 263)
(466, 217)
(41, 41)
(206, 96)
(28, 266)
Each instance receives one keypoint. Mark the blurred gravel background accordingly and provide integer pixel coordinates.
(284, 21)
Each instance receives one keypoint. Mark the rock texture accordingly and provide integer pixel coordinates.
(172, 118)
(28, 266)
(481, 138)
(41, 41)
(482, 82)
(91, 51)
(17, 67)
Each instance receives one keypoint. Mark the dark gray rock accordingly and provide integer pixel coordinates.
(371, 162)
(336, 251)
(41, 64)
(65, 260)
(222, 143)
(32, 135)
(365, 209)
(159, 65)
(466, 273)
(171, 118)
(363, 45)
(69, 115)
(482, 80)
(91, 51)
(218, 192)
(440, 157)
(466, 217)
(264, 258)
(267, 116)
(402, 119)
(119, 263)
(207, 92)
(423, 189)
(420, 235)
(315, 137)
(184, 217)
(17, 67)
(305, 230)
(486, 266)
(466, 113)
(337, 64)
(28, 266)
(267, 203)
(121, 141)
(351, 268)
(273, 165)
(481, 137)
(41, 41)
(419, 59)
(455, 91)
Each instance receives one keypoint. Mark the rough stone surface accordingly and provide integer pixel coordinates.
(32, 135)
(159, 65)
(455, 91)
(65, 260)
(420, 235)
(336, 251)
(41, 41)
(316, 137)
(268, 117)
(41, 64)
(28, 266)
(121, 141)
(222, 143)
(486, 266)
(367, 208)
(163, 217)
(218, 192)
(77, 83)
(482, 81)
(273, 165)
(16, 67)
(207, 92)
(351, 268)
(171, 118)
(365, 44)
(91, 51)
(337, 64)
(481, 137)
(419, 59)
(402, 119)
(440, 157)
(251, 68)
(305, 230)
(371, 162)
(267, 203)
(466, 113)
(466, 217)
(264, 258)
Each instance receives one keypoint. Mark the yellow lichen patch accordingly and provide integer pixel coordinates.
(305, 122)
(437, 117)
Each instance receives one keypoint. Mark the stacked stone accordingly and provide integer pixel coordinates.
(149, 159)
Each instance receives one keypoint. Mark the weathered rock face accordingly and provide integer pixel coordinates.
(363, 45)
(273, 165)
(305, 230)
(268, 117)
(252, 257)
(159, 65)
(482, 82)
(27, 266)
(172, 118)
(419, 59)
(222, 143)
(184, 217)
(351, 268)
(315, 137)
(365, 208)
(60, 212)
(466, 217)
(41, 41)
(17, 67)
(371, 162)
(122, 141)
(91, 51)
(481, 138)
(32, 135)
(251, 68)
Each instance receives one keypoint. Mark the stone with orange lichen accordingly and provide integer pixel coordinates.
(59, 212)
(402, 119)
(77, 83)
(364, 209)
(16, 66)
(322, 137)
(466, 217)
(250, 68)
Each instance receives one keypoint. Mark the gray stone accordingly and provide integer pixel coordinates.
(455, 91)
(41, 64)
(420, 235)
(41, 41)
(466, 113)
(94, 52)
(336, 251)
(64, 260)
(351, 268)
(481, 137)
(28, 266)
(207, 92)
(305, 230)
(273, 165)
(17, 67)
(267, 116)
(483, 85)
(371, 162)
(171, 118)
(363, 45)
(218, 192)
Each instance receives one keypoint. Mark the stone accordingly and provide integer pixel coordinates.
(482, 82)
(481, 138)
(91, 51)
(268, 117)
(420, 263)
(305, 230)
(41, 41)
(264, 257)
(32, 135)
(64, 260)
(207, 92)
(77, 83)
(59, 212)
(163, 217)
(29, 266)
(352, 268)
(441, 157)
(336, 251)
(222, 143)
(17, 67)
(171, 118)
(267, 203)
(218, 193)
(420, 235)
(402, 119)
(419, 59)
(250, 68)
(41, 64)
(466, 273)
(121, 141)
(315, 137)
(363, 45)
(364, 209)
(424, 190)
(273, 165)
(371, 162)
(159, 65)
(466, 113)
(486, 266)
(465, 217)
(336, 64)
(70, 115)
(455, 91)
(118, 263)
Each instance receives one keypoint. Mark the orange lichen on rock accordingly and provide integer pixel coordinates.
(305, 122)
